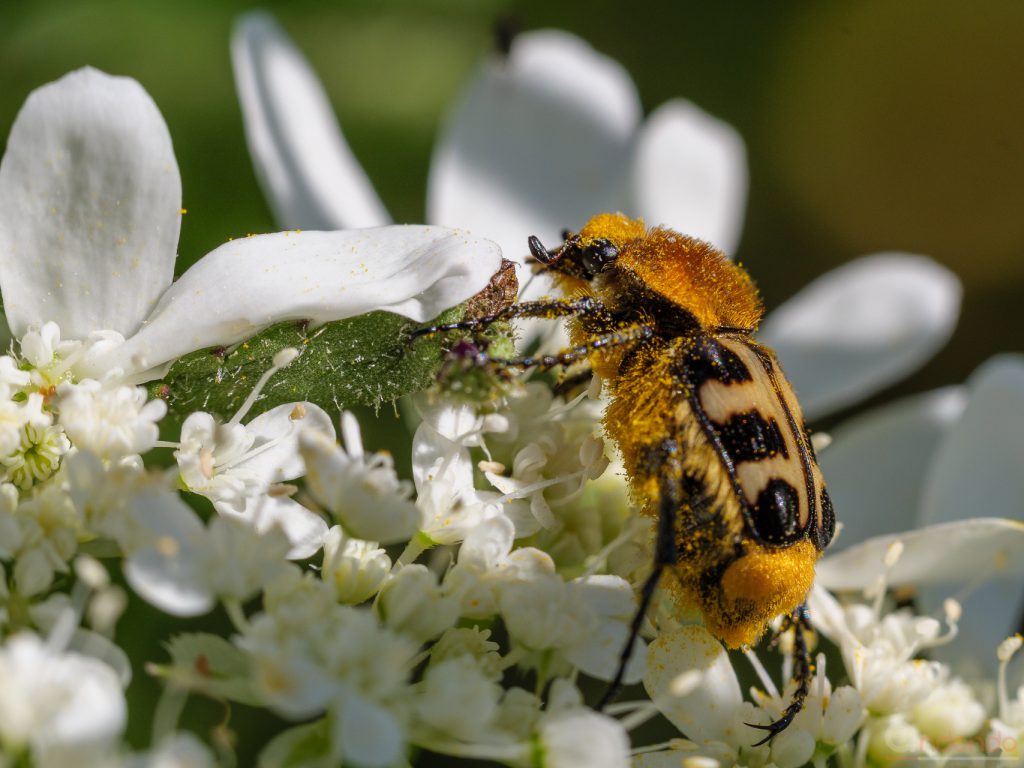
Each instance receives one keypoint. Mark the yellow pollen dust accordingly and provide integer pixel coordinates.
(758, 587)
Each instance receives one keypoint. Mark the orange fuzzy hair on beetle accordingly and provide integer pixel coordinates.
(687, 271)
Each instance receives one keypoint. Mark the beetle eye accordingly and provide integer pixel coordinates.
(598, 256)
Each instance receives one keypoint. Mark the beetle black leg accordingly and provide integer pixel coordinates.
(555, 308)
(800, 624)
(623, 336)
(665, 554)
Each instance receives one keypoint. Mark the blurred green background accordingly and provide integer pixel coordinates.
(870, 126)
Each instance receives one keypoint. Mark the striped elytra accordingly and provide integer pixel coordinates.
(704, 417)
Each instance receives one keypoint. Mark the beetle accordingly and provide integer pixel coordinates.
(711, 433)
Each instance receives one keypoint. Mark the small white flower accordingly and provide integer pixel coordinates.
(457, 699)
(472, 642)
(949, 713)
(570, 738)
(586, 620)
(14, 416)
(54, 703)
(110, 421)
(235, 561)
(312, 655)
(413, 603)
(37, 455)
(239, 466)
(893, 738)
(831, 717)
(443, 472)
(208, 456)
(879, 651)
(353, 567)
(50, 528)
(46, 352)
(362, 491)
(551, 450)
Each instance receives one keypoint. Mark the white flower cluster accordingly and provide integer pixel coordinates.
(452, 607)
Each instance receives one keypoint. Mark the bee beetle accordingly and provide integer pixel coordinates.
(710, 431)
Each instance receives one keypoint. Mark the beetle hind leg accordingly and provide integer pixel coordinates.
(799, 623)
(665, 555)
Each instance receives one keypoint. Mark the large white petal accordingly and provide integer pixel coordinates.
(307, 171)
(304, 529)
(992, 613)
(979, 467)
(597, 654)
(690, 174)
(278, 430)
(978, 470)
(862, 326)
(540, 141)
(90, 207)
(947, 553)
(249, 284)
(708, 712)
(876, 465)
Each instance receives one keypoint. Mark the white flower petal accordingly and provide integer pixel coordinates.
(978, 467)
(307, 171)
(165, 569)
(579, 737)
(281, 461)
(95, 645)
(366, 733)
(539, 142)
(304, 528)
(861, 327)
(690, 174)
(605, 594)
(249, 284)
(597, 654)
(488, 544)
(95, 710)
(893, 446)
(709, 711)
(90, 207)
(938, 554)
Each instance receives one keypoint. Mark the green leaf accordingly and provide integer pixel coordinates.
(365, 360)
(209, 664)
